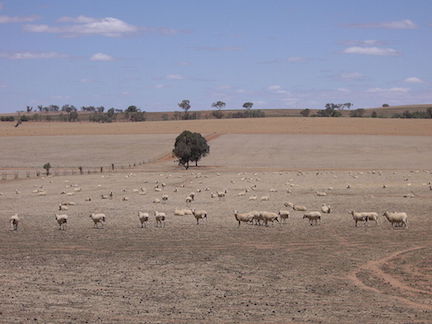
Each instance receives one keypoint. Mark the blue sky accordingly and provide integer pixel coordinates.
(274, 53)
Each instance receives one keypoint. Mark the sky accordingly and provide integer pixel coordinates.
(274, 53)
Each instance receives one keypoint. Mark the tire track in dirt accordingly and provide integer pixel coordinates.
(374, 267)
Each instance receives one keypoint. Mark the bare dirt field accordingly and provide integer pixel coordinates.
(280, 125)
(218, 271)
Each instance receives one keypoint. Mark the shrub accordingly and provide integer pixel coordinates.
(305, 112)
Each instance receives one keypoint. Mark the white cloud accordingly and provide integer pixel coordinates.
(367, 42)
(389, 90)
(101, 57)
(400, 24)
(17, 19)
(290, 59)
(351, 76)
(276, 89)
(109, 27)
(31, 55)
(371, 51)
(175, 77)
(413, 80)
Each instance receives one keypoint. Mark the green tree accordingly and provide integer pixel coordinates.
(218, 105)
(47, 167)
(185, 105)
(190, 147)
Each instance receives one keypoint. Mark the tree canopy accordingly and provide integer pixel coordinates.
(190, 147)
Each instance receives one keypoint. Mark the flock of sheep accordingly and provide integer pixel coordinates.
(265, 218)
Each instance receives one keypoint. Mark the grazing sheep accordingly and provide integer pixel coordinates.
(299, 208)
(269, 217)
(359, 217)
(265, 198)
(188, 200)
(63, 207)
(143, 217)
(165, 198)
(283, 214)
(88, 199)
(105, 196)
(398, 219)
(273, 190)
(313, 216)
(192, 195)
(199, 214)
(288, 204)
(253, 198)
(160, 219)
(68, 203)
(125, 198)
(61, 221)
(243, 217)
(221, 194)
(14, 220)
(321, 193)
(179, 212)
(326, 209)
(98, 219)
(156, 201)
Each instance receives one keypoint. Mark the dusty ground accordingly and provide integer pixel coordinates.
(280, 125)
(217, 271)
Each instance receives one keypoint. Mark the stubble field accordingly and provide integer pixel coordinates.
(218, 271)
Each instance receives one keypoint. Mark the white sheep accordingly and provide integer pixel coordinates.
(265, 198)
(288, 204)
(199, 214)
(143, 218)
(269, 217)
(179, 212)
(221, 194)
(192, 195)
(188, 200)
(321, 193)
(313, 216)
(165, 198)
(61, 221)
(243, 217)
(299, 208)
(253, 198)
(98, 219)
(283, 214)
(156, 201)
(160, 218)
(398, 219)
(63, 207)
(326, 209)
(359, 217)
(14, 221)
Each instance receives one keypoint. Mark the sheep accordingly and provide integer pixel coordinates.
(321, 193)
(165, 198)
(199, 214)
(372, 216)
(326, 209)
(63, 207)
(61, 220)
(288, 204)
(156, 201)
(313, 216)
(104, 196)
(221, 194)
(283, 214)
(253, 198)
(188, 200)
(273, 190)
(395, 218)
(160, 218)
(299, 208)
(68, 203)
(359, 217)
(14, 220)
(88, 199)
(98, 219)
(125, 198)
(179, 212)
(143, 217)
(265, 198)
(269, 217)
(192, 195)
(243, 217)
